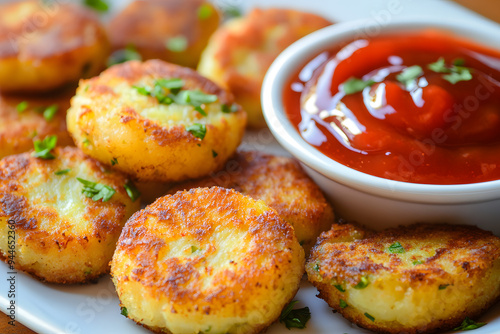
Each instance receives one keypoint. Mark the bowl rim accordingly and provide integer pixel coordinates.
(287, 63)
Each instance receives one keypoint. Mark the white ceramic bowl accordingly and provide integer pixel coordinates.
(371, 200)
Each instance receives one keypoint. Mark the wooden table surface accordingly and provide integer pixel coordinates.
(487, 8)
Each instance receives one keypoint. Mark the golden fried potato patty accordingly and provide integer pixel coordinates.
(282, 184)
(173, 30)
(158, 121)
(240, 52)
(206, 260)
(26, 119)
(421, 278)
(61, 235)
(45, 44)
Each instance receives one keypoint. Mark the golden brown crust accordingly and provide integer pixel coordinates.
(46, 45)
(454, 270)
(51, 227)
(148, 25)
(18, 130)
(243, 255)
(282, 184)
(110, 120)
(240, 52)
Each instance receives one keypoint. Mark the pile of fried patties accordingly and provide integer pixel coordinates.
(221, 247)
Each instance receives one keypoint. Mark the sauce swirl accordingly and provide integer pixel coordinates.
(421, 107)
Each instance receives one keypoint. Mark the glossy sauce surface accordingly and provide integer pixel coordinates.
(430, 111)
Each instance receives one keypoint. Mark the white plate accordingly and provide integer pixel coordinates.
(54, 309)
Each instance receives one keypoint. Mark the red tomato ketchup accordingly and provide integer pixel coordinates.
(421, 107)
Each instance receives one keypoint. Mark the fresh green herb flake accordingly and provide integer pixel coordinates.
(86, 142)
(50, 112)
(200, 110)
(295, 318)
(142, 90)
(339, 287)
(228, 110)
(62, 171)
(123, 55)
(459, 62)
(197, 130)
(343, 304)
(396, 248)
(355, 85)
(417, 262)
(363, 283)
(114, 161)
(177, 44)
(98, 5)
(124, 311)
(439, 66)
(443, 286)
(369, 316)
(174, 83)
(469, 324)
(132, 191)
(459, 74)
(214, 154)
(194, 249)
(96, 191)
(43, 147)
(316, 268)
(205, 11)
(22, 106)
(409, 74)
(87, 271)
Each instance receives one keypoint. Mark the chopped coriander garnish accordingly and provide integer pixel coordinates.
(443, 286)
(316, 268)
(124, 311)
(214, 154)
(132, 191)
(343, 304)
(99, 5)
(369, 316)
(96, 191)
(197, 130)
(22, 106)
(114, 161)
(363, 283)
(456, 72)
(177, 44)
(43, 147)
(409, 74)
(50, 112)
(86, 142)
(142, 90)
(295, 318)
(200, 110)
(396, 248)
(439, 66)
(469, 324)
(459, 74)
(227, 110)
(194, 249)
(355, 85)
(123, 55)
(87, 271)
(339, 287)
(174, 83)
(417, 262)
(62, 171)
(204, 11)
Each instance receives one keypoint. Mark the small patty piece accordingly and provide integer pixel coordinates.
(206, 260)
(61, 235)
(159, 121)
(282, 184)
(44, 45)
(240, 52)
(421, 278)
(176, 31)
(27, 119)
